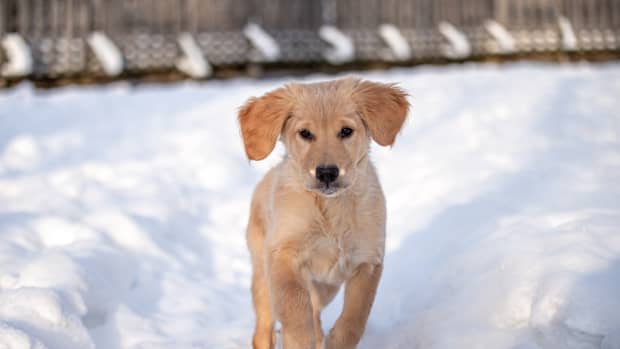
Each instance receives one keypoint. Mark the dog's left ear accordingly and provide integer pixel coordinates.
(261, 121)
(383, 107)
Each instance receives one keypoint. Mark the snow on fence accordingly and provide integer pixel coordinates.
(49, 39)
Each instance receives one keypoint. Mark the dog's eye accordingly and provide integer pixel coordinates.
(305, 134)
(345, 132)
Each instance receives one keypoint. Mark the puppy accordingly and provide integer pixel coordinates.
(317, 219)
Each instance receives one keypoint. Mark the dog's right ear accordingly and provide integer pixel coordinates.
(261, 121)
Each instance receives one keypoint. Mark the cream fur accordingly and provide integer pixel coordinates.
(305, 240)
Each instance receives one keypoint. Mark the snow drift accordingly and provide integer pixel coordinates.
(122, 213)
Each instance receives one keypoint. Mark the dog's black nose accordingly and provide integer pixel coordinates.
(327, 173)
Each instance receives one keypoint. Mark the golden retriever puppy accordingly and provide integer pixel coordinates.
(317, 219)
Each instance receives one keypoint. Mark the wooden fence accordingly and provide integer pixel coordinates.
(51, 39)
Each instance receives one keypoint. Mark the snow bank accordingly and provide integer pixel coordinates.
(122, 213)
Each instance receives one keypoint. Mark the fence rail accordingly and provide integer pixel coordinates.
(49, 39)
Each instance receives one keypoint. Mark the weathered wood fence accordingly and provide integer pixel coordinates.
(50, 39)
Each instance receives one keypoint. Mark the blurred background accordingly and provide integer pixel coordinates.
(52, 41)
(125, 190)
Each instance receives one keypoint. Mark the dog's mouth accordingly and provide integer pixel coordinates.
(328, 190)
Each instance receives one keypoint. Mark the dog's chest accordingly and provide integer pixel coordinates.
(332, 260)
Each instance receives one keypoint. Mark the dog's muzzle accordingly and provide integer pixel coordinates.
(327, 174)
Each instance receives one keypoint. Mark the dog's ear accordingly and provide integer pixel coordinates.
(261, 121)
(383, 107)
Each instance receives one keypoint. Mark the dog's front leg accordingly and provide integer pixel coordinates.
(291, 301)
(359, 295)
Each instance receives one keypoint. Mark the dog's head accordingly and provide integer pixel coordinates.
(326, 127)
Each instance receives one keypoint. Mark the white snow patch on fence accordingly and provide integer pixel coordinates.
(342, 49)
(569, 39)
(193, 63)
(396, 41)
(19, 56)
(504, 39)
(261, 40)
(106, 52)
(459, 46)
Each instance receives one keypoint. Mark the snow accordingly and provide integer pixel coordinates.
(342, 50)
(193, 62)
(122, 213)
(569, 39)
(505, 41)
(266, 45)
(18, 56)
(396, 41)
(107, 53)
(459, 46)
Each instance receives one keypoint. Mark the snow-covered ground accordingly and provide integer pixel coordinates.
(122, 213)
